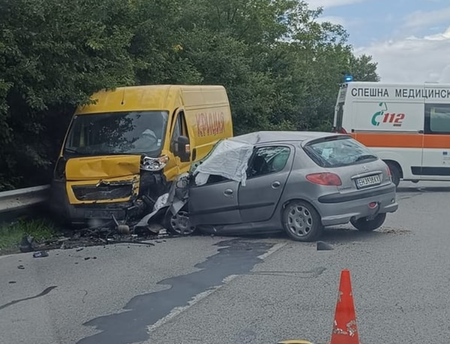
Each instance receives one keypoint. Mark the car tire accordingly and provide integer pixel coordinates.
(395, 173)
(365, 225)
(179, 223)
(301, 221)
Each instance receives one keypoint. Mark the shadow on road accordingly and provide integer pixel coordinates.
(348, 234)
(341, 234)
(423, 189)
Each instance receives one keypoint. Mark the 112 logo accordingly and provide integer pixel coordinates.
(382, 116)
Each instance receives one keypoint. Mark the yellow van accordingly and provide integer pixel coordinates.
(122, 152)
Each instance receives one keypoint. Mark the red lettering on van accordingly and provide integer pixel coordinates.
(209, 124)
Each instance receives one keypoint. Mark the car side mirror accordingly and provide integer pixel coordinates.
(183, 149)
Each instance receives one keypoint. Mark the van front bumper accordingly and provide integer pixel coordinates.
(83, 214)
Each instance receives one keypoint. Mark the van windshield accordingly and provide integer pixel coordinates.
(138, 132)
(339, 151)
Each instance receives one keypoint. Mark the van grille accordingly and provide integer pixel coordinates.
(103, 192)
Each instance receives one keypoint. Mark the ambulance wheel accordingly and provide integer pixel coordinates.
(395, 173)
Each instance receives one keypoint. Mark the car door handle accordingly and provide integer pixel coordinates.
(228, 192)
(276, 184)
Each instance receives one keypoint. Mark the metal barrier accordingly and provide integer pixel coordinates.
(22, 200)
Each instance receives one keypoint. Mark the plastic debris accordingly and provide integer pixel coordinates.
(323, 246)
(40, 254)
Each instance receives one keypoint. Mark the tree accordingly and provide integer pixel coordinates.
(54, 54)
(363, 68)
(280, 66)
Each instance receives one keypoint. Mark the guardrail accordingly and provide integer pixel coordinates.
(19, 201)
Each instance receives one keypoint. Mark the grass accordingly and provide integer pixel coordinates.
(11, 234)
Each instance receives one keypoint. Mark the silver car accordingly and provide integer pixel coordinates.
(296, 181)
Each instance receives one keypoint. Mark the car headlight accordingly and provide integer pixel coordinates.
(154, 164)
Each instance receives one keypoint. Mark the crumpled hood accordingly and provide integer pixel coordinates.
(102, 167)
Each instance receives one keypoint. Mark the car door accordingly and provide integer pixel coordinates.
(268, 172)
(215, 203)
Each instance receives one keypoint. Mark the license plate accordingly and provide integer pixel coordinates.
(368, 181)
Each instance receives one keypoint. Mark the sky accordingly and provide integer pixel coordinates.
(410, 39)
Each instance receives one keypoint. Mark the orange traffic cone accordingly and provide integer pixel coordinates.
(345, 330)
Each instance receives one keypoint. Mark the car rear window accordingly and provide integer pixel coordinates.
(338, 151)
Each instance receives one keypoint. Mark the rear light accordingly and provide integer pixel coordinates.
(389, 172)
(326, 178)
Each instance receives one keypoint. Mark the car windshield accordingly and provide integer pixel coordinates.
(117, 133)
(338, 151)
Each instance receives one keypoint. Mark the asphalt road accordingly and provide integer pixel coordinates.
(240, 290)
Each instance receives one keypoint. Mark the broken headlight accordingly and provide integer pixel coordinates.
(154, 164)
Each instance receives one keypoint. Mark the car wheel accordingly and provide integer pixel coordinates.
(301, 221)
(366, 225)
(179, 223)
(395, 173)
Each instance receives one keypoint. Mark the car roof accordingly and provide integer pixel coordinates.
(281, 136)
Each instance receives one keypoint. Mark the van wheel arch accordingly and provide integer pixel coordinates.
(396, 171)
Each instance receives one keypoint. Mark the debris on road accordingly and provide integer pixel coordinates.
(80, 239)
(323, 246)
(21, 267)
(390, 230)
(40, 254)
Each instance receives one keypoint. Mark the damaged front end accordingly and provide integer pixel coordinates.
(170, 209)
(228, 160)
(109, 190)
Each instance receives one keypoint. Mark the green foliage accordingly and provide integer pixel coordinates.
(12, 234)
(281, 67)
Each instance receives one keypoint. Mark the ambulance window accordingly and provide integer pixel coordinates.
(437, 118)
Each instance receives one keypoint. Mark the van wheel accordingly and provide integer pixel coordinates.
(395, 173)
(366, 225)
(301, 221)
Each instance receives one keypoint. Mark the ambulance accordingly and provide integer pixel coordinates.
(406, 125)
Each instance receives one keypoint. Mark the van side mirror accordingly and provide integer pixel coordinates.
(183, 149)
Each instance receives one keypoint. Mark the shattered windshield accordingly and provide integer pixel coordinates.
(117, 133)
(341, 151)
